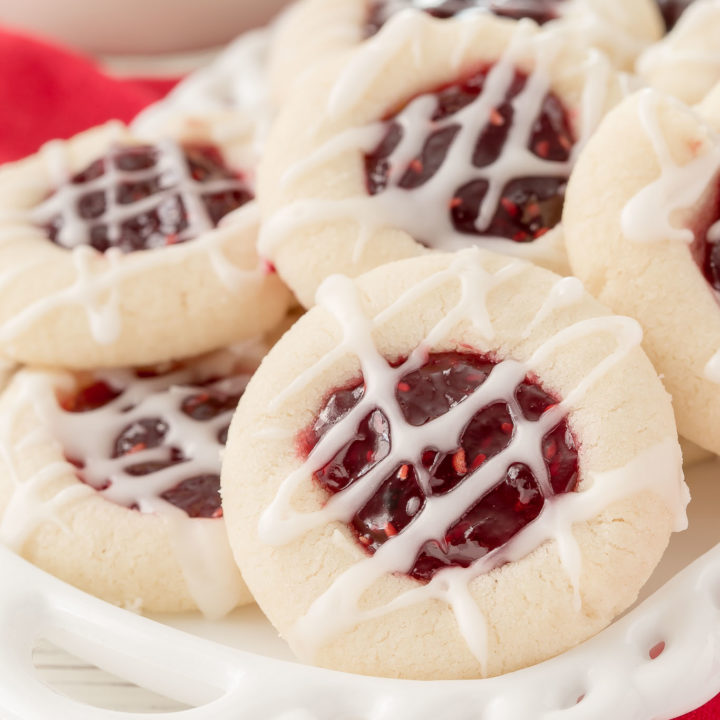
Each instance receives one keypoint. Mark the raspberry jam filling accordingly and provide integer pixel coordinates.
(541, 11)
(141, 197)
(529, 205)
(515, 499)
(671, 11)
(199, 493)
(706, 245)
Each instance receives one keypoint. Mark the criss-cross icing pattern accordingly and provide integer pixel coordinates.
(541, 11)
(491, 152)
(514, 104)
(138, 197)
(165, 429)
(424, 396)
(147, 441)
(337, 609)
(95, 284)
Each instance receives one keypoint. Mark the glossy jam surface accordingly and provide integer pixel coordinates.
(198, 495)
(423, 395)
(541, 11)
(529, 206)
(672, 10)
(706, 246)
(144, 196)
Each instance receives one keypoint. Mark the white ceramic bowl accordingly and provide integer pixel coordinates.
(121, 27)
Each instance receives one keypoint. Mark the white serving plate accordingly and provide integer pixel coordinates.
(238, 669)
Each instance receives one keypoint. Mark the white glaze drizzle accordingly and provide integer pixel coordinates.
(200, 544)
(232, 95)
(423, 212)
(377, 54)
(609, 28)
(650, 215)
(337, 609)
(388, 8)
(173, 172)
(564, 293)
(98, 275)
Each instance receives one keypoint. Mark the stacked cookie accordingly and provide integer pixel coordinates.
(133, 292)
(458, 462)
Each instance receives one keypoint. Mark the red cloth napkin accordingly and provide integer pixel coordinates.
(711, 711)
(49, 92)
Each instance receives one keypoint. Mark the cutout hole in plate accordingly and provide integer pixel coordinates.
(572, 693)
(83, 682)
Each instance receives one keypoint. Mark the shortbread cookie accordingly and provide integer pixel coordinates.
(117, 252)
(454, 466)
(232, 92)
(432, 135)
(110, 480)
(642, 224)
(686, 63)
(315, 31)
